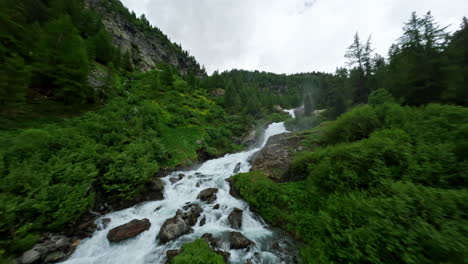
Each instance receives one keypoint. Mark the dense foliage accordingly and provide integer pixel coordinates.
(389, 186)
(198, 252)
(51, 173)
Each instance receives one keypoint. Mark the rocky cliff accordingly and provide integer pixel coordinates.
(146, 45)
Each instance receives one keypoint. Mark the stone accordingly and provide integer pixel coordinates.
(210, 239)
(193, 212)
(128, 230)
(30, 256)
(208, 195)
(157, 185)
(54, 257)
(235, 218)
(62, 242)
(105, 222)
(239, 241)
(216, 207)
(203, 221)
(275, 159)
(174, 228)
(237, 168)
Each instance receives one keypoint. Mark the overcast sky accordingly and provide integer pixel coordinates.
(286, 36)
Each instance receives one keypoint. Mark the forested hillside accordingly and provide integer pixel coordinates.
(95, 102)
(386, 181)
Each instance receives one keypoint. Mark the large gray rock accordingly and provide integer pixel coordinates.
(192, 213)
(235, 218)
(173, 228)
(208, 195)
(128, 230)
(30, 256)
(276, 157)
(239, 241)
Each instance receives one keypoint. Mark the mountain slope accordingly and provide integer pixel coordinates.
(146, 45)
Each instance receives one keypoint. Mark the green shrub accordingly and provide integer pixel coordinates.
(198, 252)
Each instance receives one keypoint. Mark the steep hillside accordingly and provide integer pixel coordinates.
(146, 45)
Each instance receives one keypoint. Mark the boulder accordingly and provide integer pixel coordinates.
(174, 228)
(216, 207)
(232, 190)
(30, 256)
(239, 241)
(210, 239)
(128, 230)
(235, 218)
(203, 221)
(208, 195)
(54, 257)
(192, 213)
(276, 157)
(237, 168)
(157, 185)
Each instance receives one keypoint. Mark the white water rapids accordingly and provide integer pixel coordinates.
(146, 248)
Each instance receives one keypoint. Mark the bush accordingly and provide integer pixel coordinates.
(198, 252)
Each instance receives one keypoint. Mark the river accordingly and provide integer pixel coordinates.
(270, 246)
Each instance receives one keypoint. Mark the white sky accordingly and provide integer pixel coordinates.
(286, 36)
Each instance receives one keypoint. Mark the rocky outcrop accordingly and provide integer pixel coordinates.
(50, 249)
(239, 241)
(128, 230)
(208, 195)
(146, 45)
(276, 157)
(235, 218)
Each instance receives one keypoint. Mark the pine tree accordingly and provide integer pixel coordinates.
(62, 62)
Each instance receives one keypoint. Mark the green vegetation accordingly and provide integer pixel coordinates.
(198, 252)
(388, 186)
(51, 173)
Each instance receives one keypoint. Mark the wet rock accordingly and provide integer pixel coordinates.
(239, 241)
(171, 254)
(208, 195)
(232, 190)
(237, 168)
(87, 228)
(216, 207)
(128, 230)
(224, 254)
(173, 228)
(30, 256)
(178, 178)
(193, 212)
(203, 221)
(210, 239)
(235, 218)
(157, 208)
(54, 257)
(157, 185)
(276, 157)
(104, 223)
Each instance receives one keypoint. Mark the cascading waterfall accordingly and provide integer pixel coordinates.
(146, 248)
